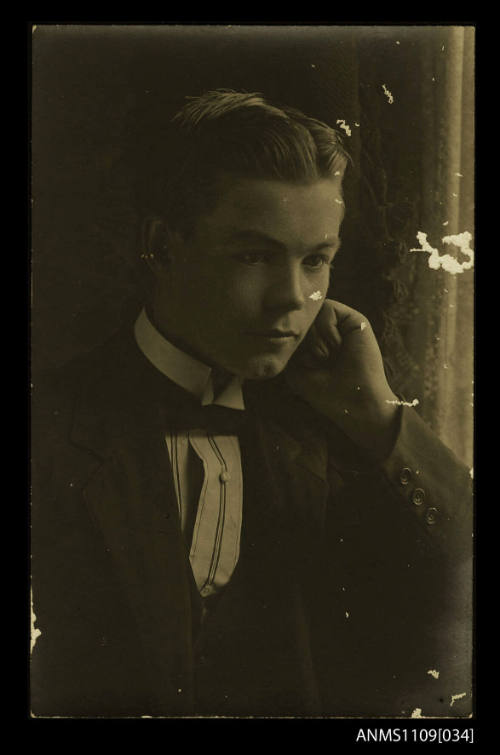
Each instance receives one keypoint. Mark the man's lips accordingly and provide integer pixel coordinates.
(274, 333)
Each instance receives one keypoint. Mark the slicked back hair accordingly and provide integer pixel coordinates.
(224, 132)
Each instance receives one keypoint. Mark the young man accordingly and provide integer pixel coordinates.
(232, 512)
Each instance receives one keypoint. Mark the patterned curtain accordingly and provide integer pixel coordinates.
(446, 353)
(416, 174)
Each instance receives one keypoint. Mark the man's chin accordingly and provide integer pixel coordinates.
(263, 368)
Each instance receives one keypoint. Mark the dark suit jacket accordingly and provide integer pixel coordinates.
(353, 581)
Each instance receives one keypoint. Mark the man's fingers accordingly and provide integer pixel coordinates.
(337, 320)
(317, 343)
(313, 350)
(334, 323)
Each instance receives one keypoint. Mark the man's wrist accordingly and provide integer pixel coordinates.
(374, 427)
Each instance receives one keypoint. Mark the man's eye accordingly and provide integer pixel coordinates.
(251, 258)
(317, 261)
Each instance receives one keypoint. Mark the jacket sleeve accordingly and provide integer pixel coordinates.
(400, 545)
(433, 485)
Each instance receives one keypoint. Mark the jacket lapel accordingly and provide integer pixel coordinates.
(131, 499)
(297, 476)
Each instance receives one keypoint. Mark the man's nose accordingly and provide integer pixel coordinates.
(287, 289)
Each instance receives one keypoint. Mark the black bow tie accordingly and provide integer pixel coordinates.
(217, 420)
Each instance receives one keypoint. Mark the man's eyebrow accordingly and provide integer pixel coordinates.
(253, 236)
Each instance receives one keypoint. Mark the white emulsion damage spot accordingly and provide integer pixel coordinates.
(415, 402)
(454, 698)
(35, 633)
(432, 672)
(341, 122)
(446, 261)
(316, 295)
(388, 94)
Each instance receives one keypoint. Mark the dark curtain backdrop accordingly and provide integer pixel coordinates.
(89, 81)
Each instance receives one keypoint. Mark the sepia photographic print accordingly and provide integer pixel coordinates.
(252, 371)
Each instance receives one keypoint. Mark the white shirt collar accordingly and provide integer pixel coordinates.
(183, 369)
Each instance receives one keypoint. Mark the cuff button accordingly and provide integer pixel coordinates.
(405, 476)
(418, 496)
(431, 516)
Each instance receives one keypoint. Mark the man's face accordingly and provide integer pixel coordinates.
(245, 288)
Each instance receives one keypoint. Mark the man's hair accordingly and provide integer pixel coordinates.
(226, 132)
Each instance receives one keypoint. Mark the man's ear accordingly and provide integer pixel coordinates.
(157, 241)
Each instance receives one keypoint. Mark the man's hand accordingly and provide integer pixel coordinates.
(338, 370)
